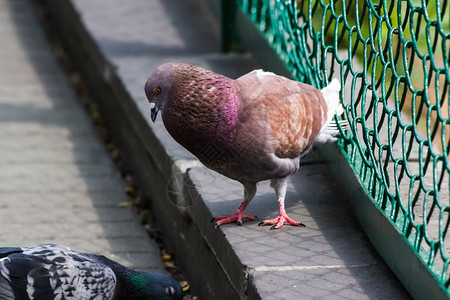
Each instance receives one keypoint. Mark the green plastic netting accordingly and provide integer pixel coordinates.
(392, 58)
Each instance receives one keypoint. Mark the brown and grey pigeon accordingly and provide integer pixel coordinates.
(251, 129)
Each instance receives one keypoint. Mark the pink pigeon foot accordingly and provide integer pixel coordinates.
(237, 217)
(279, 221)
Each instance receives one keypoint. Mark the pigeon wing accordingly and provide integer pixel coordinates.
(292, 112)
(15, 270)
(56, 272)
(6, 290)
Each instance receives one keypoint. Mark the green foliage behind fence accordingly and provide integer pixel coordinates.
(392, 58)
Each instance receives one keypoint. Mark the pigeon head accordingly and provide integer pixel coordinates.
(158, 87)
(149, 286)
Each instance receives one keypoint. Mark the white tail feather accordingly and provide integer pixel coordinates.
(334, 107)
(331, 95)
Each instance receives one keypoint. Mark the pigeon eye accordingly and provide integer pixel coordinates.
(157, 90)
(170, 291)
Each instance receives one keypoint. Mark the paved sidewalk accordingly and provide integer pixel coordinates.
(57, 183)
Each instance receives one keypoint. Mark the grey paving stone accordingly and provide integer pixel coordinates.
(66, 199)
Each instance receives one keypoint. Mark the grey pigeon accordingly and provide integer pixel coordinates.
(251, 129)
(56, 272)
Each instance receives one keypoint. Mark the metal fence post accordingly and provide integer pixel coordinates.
(228, 25)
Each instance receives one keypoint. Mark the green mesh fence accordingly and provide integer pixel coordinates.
(392, 58)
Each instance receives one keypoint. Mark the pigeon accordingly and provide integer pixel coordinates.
(57, 272)
(251, 129)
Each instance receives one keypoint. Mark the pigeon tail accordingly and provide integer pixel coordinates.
(334, 108)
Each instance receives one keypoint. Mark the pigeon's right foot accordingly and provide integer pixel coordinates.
(279, 221)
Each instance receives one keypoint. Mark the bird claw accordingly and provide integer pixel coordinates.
(236, 217)
(276, 226)
(279, 221)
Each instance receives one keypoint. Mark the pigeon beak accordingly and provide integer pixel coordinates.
(154, 111)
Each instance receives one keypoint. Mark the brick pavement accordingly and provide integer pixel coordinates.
(57, 182)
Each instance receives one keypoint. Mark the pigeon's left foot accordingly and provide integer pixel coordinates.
(279, 221)
(237, 217)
